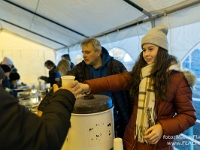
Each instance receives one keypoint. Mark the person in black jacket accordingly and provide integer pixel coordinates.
(20, 129)
(98, 63)
(54, 75)
(63, 67)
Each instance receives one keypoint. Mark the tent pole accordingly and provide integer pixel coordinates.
(171, 11)
(143, 11)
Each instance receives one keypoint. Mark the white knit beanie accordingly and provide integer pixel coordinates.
(7, 61)
(157, 36)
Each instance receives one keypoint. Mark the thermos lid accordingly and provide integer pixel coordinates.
(92, 104)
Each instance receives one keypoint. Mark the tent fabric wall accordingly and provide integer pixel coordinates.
(28, 57)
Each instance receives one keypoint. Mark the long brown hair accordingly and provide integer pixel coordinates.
(159, 73)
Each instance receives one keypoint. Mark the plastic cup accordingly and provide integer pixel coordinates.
(118, 145)
(67, 79)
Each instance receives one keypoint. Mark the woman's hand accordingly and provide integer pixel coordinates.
(85, 88)
(77, 88)
(80, 89)
(73, 87)
(154, 134)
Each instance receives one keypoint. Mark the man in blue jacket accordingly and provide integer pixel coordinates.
(98, 63)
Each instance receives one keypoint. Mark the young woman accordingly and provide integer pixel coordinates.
(162, 95)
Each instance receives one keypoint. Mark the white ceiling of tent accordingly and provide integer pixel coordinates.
(63, 23)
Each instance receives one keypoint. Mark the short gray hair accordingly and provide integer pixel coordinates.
(95, 43)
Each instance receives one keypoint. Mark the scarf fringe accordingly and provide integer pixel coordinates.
(140, 133)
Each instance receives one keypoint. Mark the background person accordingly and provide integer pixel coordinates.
(14, 79)
(67, 57)
(63, 67)
(20, 129)
(54, 75)
(162, 95)
(7, 61)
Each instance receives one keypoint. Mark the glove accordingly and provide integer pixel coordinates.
(43, 78)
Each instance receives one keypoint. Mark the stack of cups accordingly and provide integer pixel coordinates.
(67, 79)
(118, 144)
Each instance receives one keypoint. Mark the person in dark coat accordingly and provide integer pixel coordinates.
(98, 63)
(63, 67)
(54, 76)
(20, 129)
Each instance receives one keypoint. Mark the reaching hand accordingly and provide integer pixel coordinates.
(85, 88)
(78, 89)
(74, 87)
(154, 134)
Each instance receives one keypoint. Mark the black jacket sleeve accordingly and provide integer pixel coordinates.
(21, 129)
(45, 100)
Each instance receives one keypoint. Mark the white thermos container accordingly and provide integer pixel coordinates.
(92, 124)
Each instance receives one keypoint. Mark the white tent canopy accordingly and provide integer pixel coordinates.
(57, 27)
(61, 24)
